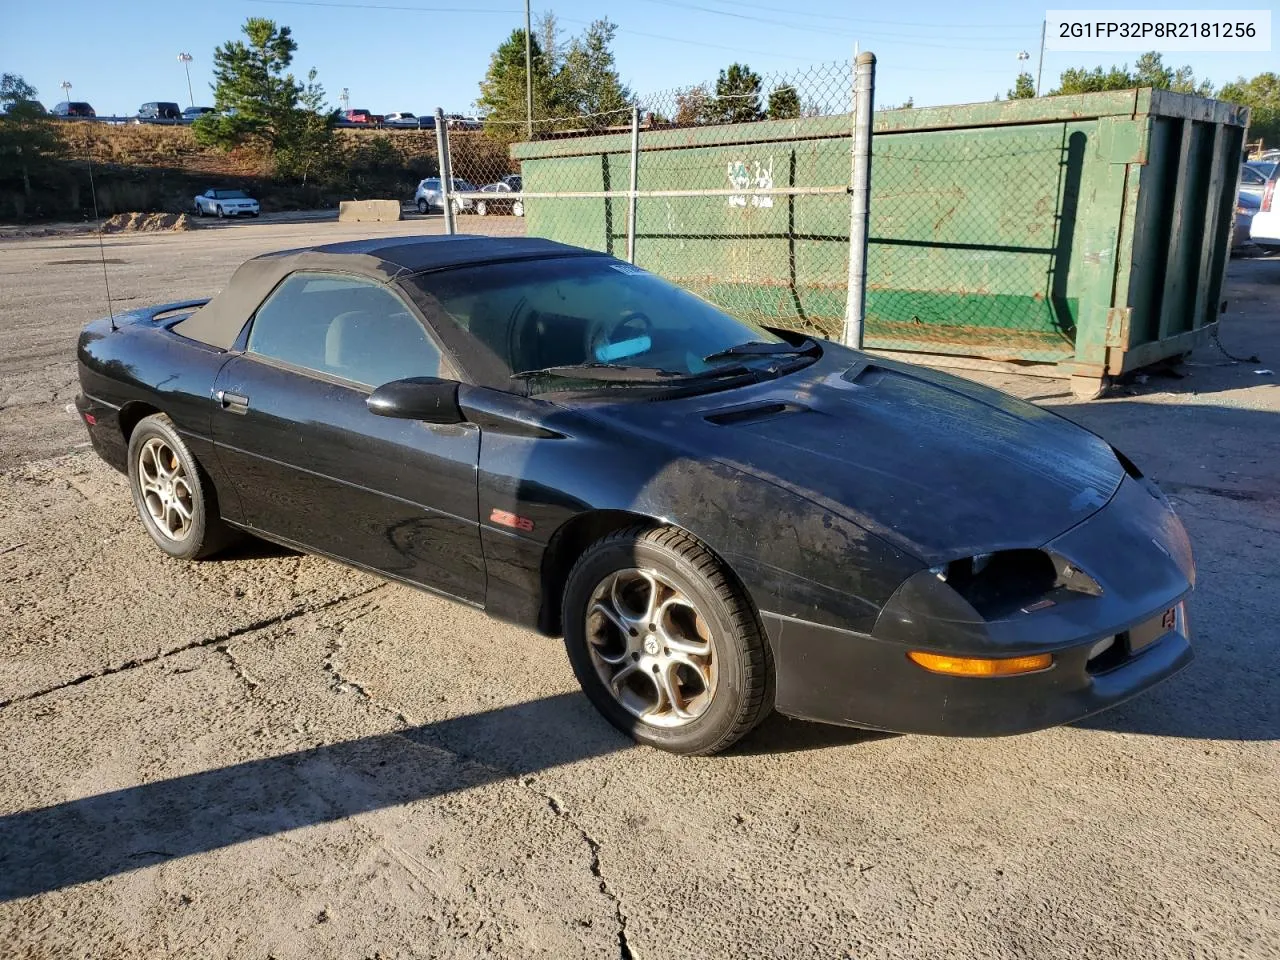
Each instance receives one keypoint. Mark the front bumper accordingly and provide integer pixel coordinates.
(837, 676)
(1136, 551)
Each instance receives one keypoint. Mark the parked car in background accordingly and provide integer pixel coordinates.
(191, 114)
(506, 197)
(362, 117)
(404, 120)
(159, 111)
(1264, 229)
(73, 108)
(1246, 206)
(1255, 174)
(429, 196)
(226, 203)
(456, 121)
(29, 107)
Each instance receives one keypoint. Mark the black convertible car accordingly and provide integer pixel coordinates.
(720, 519)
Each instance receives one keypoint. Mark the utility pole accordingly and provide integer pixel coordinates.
(1040, 68)
(528, 70)
(66, 90)
(185, 59)
(345, 99)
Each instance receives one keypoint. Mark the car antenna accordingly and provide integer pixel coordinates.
(97, 223)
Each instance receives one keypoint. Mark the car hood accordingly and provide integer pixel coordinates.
(938, 466)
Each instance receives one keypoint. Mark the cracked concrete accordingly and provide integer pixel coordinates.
(271, 755)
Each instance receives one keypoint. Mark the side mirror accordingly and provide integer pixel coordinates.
(429, 399)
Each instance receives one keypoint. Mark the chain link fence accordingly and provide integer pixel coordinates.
(971, 242)
(716, 186)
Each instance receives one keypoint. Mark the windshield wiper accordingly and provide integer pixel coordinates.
(604, 372)
(757, 348)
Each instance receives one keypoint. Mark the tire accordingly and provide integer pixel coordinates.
(254, 215)
(219, 211)
(423, 207)
(457, 208)
(700, 605)
(481, 208)
(154, 441)
(517, 208)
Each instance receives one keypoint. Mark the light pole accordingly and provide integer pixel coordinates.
(185, 59)
(66, 91)
(345, 99)
(528, 72)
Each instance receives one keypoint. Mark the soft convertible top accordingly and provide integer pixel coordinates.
(220, 321)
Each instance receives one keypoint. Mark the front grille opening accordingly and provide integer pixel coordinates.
(1109, 656)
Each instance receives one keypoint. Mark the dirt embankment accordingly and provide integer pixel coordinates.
(158, 169)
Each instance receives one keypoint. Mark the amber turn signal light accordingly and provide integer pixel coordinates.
(980, 666)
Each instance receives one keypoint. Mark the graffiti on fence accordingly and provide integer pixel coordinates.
(744, 175)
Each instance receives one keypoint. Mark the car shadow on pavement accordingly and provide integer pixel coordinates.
(779, 734)
(96, 837)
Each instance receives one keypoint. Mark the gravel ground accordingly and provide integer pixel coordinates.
(270, 755)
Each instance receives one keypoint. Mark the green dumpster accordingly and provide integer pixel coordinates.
(1078, 236)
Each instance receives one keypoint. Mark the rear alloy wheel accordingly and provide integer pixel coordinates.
(174, 498)
(482, 208)
(665, 644)
(517, 208)
(220, 213)
(422, 206)
(457, 207)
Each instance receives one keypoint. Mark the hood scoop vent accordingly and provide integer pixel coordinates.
(865, 374)
(753, 412)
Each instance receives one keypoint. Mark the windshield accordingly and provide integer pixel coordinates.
(1267, 170)
(585, 314)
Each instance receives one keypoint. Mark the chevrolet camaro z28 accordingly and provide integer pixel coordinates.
(719, 518)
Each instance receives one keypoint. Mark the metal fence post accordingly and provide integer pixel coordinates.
(634, 185)
(860, 198)
(446, 171)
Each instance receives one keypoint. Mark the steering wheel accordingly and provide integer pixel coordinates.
(604, 338)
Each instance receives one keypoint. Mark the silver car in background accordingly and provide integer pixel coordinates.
(429, 196)
(226, 203)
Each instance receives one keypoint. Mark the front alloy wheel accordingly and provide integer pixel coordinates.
(651, 647)
(517, 208)
(665, 643)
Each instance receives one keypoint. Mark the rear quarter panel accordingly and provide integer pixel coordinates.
(140, 367)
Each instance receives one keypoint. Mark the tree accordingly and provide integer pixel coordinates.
(26, 138)
(784, 103)
(259, 101)
(1081, 80)
(502, 91)
(1149, 71)
(587, 82)
(1262, 96)
(737, 98)
(692, 105)
(1024, 88)
(307, 149)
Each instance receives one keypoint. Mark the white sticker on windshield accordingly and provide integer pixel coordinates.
(628, 269)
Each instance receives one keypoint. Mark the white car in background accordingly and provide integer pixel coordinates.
(226, 203)
(1264, 230)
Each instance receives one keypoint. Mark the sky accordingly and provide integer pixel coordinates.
(416, 55)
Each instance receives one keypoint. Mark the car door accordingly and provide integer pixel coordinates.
(315, 467)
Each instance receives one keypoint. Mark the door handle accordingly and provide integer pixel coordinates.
(233, 402)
